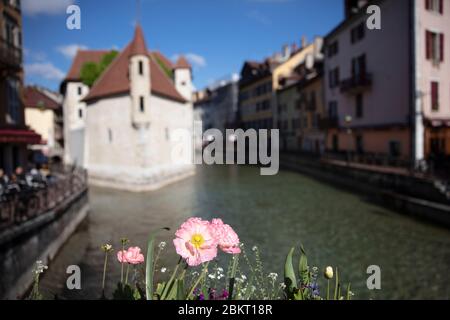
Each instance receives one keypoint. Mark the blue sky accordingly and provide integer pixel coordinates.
(216, 35)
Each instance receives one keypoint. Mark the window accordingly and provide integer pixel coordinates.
(394, 149)
(141, 68)
(357, 33)
(334, 78)
(333, 49)
(110, 135)
(332, 109)
(141, 104)
(359, 67)
(11, 32)
(13, 100)
(435, 6)
(359, 105)
(434, 46)
(80, 90)
(335, 143)
(312, 102)
(80, 113)
(435, 96)
(167, 133)
(359, 144)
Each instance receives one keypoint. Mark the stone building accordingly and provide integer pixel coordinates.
(126, 129)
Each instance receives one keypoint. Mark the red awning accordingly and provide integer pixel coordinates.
(19, 136)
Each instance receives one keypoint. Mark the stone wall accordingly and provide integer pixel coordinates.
(37, 239)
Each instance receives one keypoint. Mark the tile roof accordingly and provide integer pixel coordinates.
(115, 80)
(80, 59)
(138, 44)
(182, 63)
(34, 98)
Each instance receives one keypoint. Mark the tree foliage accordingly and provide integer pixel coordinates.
(91, 71)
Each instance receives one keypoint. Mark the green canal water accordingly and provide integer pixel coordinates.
(336, 227)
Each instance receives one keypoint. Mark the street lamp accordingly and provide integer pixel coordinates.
(348, 120)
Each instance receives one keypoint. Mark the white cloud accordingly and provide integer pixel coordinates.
(194, 59)
(259, 17)
(70, 50)
(44, 70)
(35, 7)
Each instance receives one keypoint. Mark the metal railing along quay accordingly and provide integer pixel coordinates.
(25, 205)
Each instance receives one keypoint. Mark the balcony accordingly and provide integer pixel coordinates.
(10, 56)
(328, 122)
(356, 83)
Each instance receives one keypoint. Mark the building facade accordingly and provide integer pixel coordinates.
(217, 106)
(43, 114)
(14, 134)
(384, 103)
(136, 119)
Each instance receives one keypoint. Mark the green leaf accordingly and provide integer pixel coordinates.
(232, 276)
(180, 289)
(303, 268)
(123, 292)
(149, 268)
(348, 292)
(289, 275)
(337, 286)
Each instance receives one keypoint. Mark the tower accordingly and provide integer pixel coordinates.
(139, 74)
(183, 78)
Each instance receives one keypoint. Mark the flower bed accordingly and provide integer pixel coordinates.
(198, 276)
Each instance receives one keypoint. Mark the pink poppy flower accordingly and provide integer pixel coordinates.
(134, 255)
(228, 239)
(122, 256)
(195, 241)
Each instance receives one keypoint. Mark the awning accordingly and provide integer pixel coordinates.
(19, 136)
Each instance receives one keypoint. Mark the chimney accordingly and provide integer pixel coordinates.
(293, 47)
(304, 42)
(286, 51)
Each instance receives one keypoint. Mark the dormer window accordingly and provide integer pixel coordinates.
(80, 90)
(141, 68)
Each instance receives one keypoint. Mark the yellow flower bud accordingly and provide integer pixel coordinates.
(328, 272)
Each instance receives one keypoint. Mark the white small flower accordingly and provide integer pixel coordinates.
(163, 270)
(243, 277)
(282, 285)
(220, 269)
(212, 276)
(273, 276)
(254, 248)
(162, 245)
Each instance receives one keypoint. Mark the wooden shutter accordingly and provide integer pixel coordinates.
(441, 46)
(428, 41)
(441, 6)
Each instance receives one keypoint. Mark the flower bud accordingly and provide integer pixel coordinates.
(328, 272)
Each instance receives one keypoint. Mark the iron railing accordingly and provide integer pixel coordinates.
(9, 54)
(22, 206)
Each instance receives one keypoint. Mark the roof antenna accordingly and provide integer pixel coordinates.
(138, 12)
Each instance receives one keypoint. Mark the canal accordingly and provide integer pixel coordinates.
(336, 227)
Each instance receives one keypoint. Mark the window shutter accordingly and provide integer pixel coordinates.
(428, 44)
(427, 4)
(441, 6)
(441, 44)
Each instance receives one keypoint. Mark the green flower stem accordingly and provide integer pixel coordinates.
(126, 276)
(121, 271)
(328, 289)
(172, 277)
(104, 272)
(200, 277)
